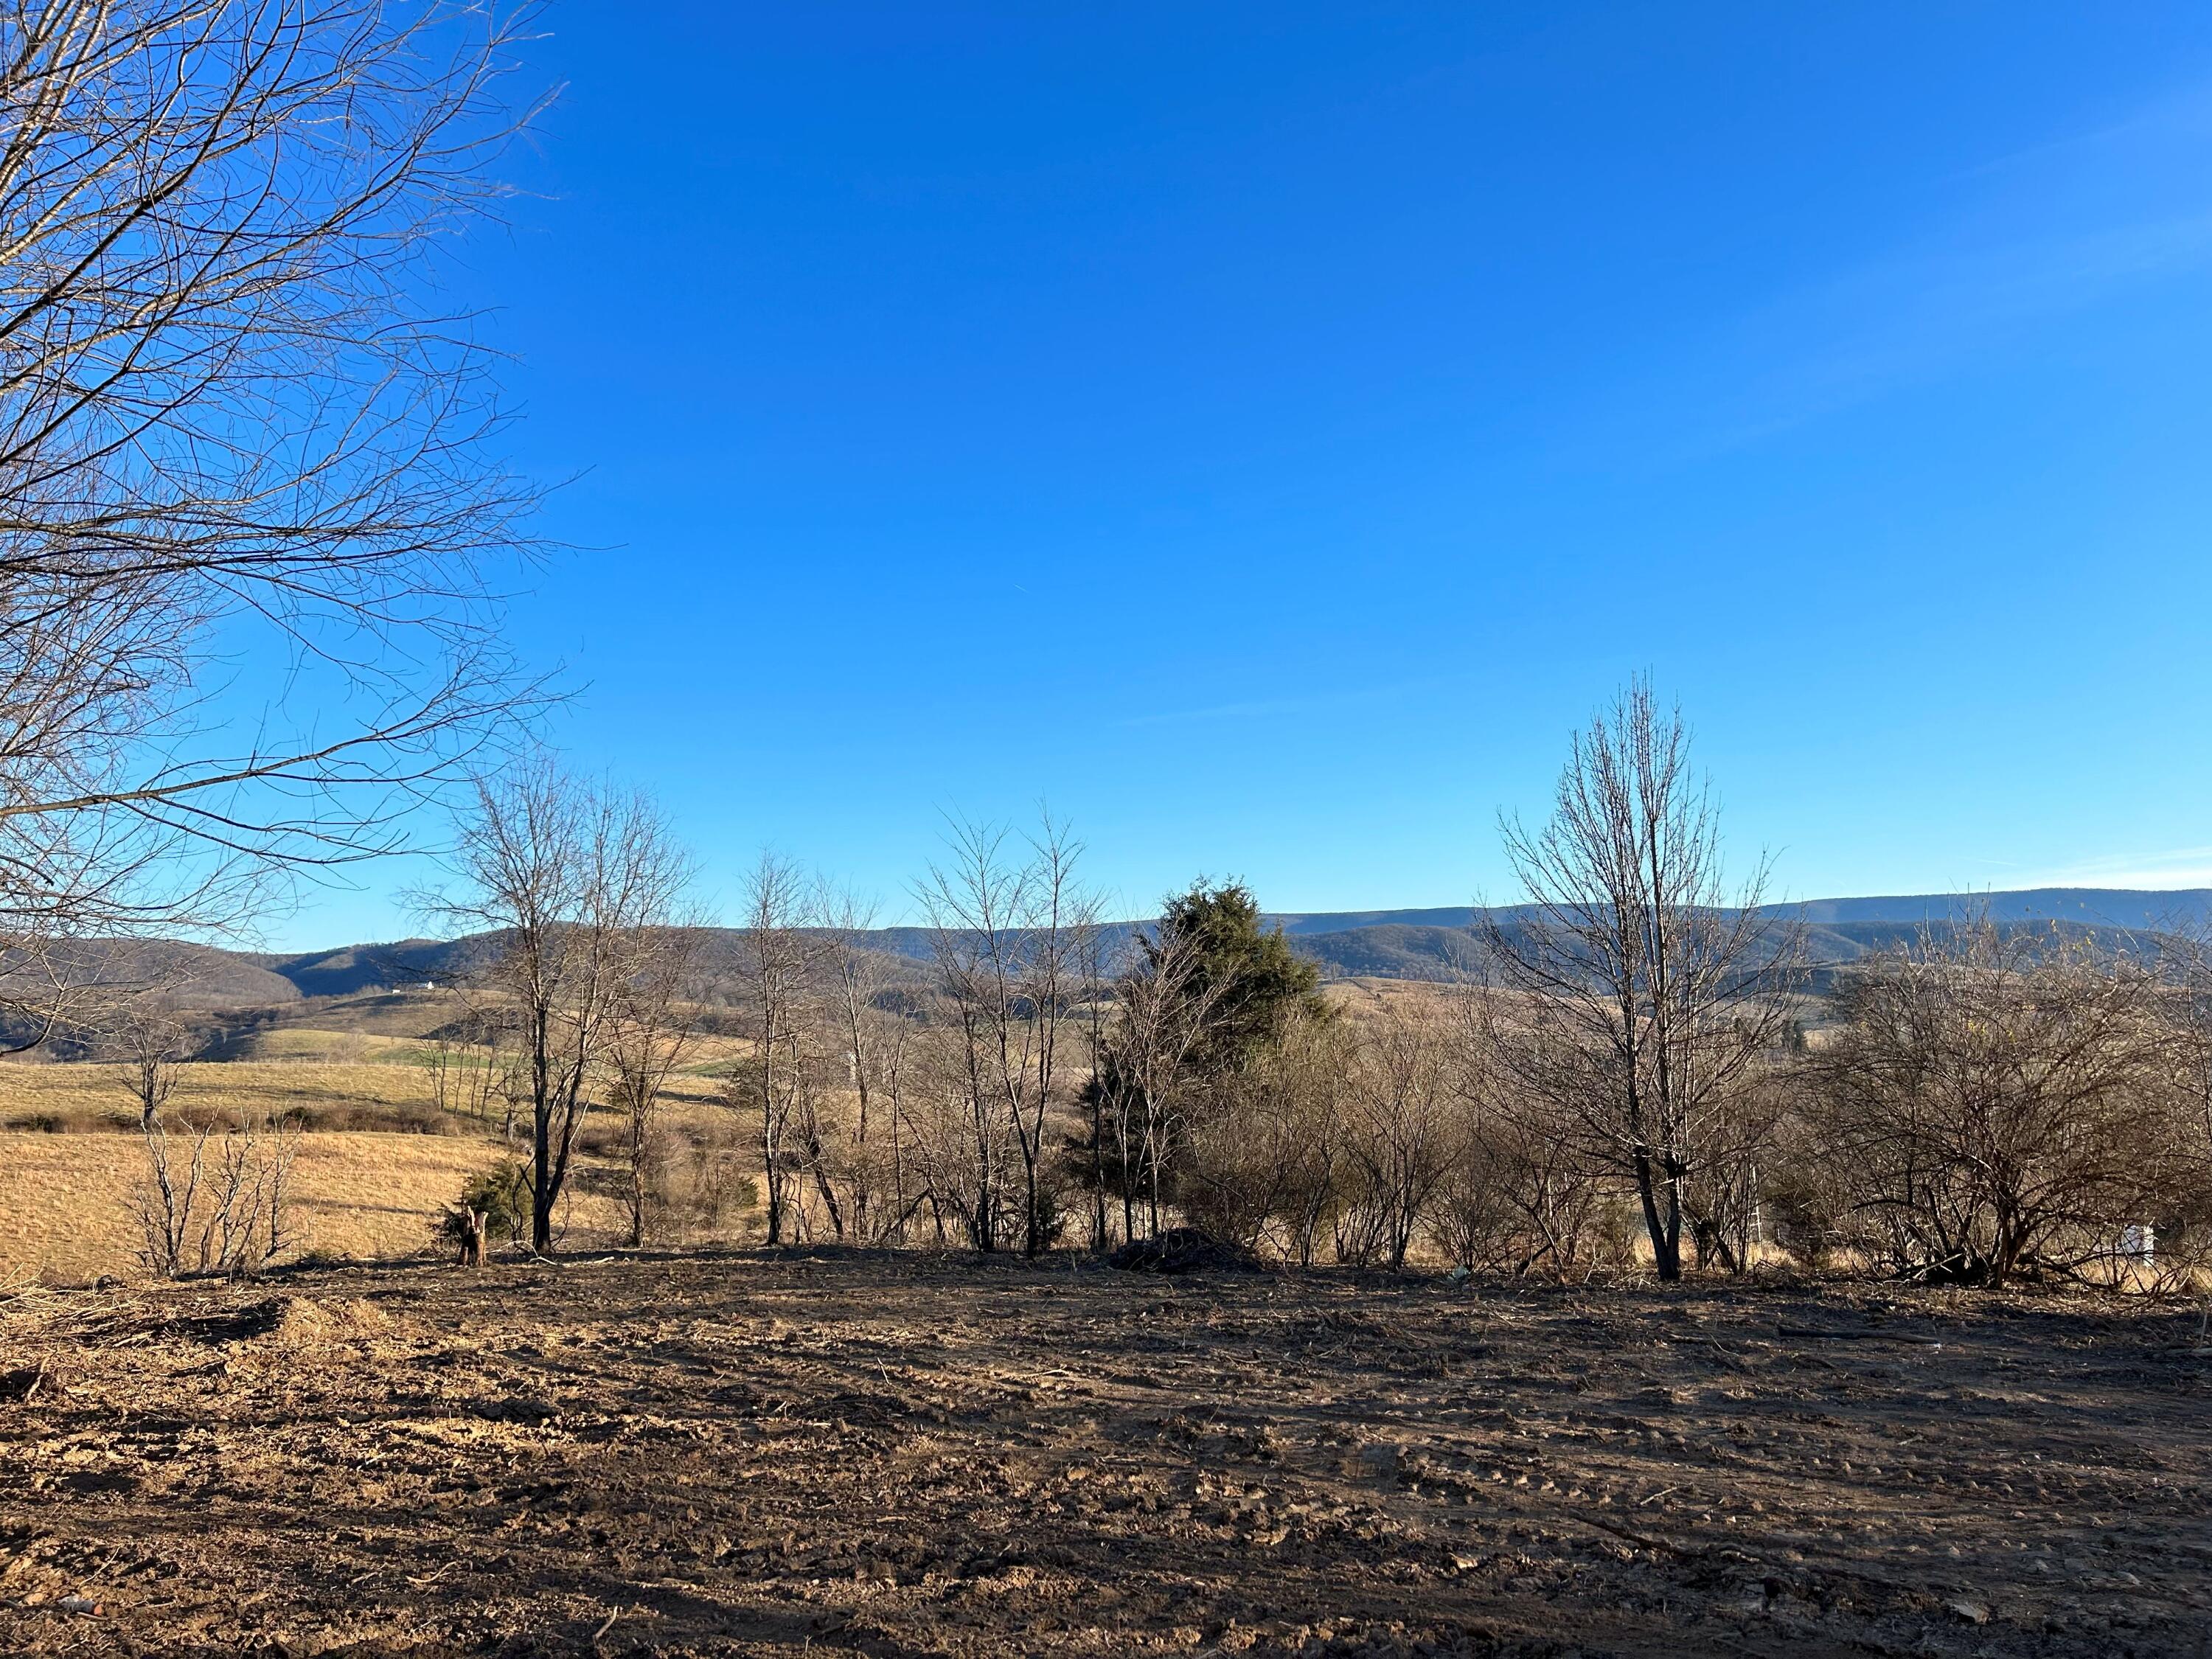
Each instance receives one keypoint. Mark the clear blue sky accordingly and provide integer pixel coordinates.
(1264, 431)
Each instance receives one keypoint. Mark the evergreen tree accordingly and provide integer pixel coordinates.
(1234, 981)
(1246, 976)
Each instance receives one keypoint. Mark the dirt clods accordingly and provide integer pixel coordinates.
(954, 1458)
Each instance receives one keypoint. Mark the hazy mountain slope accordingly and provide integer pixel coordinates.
(398, 964)
(2096, 906)
(190, 975)
(1395, 952)
(1422, 943)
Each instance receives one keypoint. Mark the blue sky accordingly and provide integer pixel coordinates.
(1263, 432)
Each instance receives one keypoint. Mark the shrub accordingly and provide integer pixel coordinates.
(1995, 1107)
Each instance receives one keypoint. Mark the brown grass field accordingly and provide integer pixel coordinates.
(96, 1093)
(68, 1199)
(67, 1196)
(909, 1456)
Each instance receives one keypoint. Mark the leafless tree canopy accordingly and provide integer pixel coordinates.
(1995, 1105)
(228, 413)
(580, 883)
(782, 958)
(1009, 928)
(651, 1037)
(1149, 1090)
(1648, 993)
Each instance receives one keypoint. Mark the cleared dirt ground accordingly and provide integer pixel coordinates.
(905, 1456)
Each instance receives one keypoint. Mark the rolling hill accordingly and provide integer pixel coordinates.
(1415, 944)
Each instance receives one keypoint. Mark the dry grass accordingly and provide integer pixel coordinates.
(68, 1199)
(93, 1095)
(385, 1013)
(1409, 998)
(293, 1044)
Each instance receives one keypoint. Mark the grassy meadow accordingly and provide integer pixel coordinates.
(93, 1095)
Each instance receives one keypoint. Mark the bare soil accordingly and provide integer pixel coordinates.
(907, 1455)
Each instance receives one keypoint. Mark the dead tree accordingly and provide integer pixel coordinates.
(224, 1204)
(1649, 996)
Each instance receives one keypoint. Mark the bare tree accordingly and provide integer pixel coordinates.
(2000, 1103)
(223, 406)
(780, 955)
(1651, 995)
(1007, 934)
(649, 1038)
(873, 1039)
(1264, 1147)
(579, 882)
(224, 1203)
(1522, 1191)
(1400, 1142)
(1096, 960)
(150, 1040)
(2184, 1246)
(939, 1178)
(469, 1060)
(1166, 1008)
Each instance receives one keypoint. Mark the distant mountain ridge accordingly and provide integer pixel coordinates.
(1433, 944)
(1414, 944)
(2137, 909)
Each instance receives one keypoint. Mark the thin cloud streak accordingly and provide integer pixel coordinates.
(2174, 869)
(2036, 237)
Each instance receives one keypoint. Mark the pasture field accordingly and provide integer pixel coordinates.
(756, 1453)
(90, 1095)
(378, 1164)
(67, 1199)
